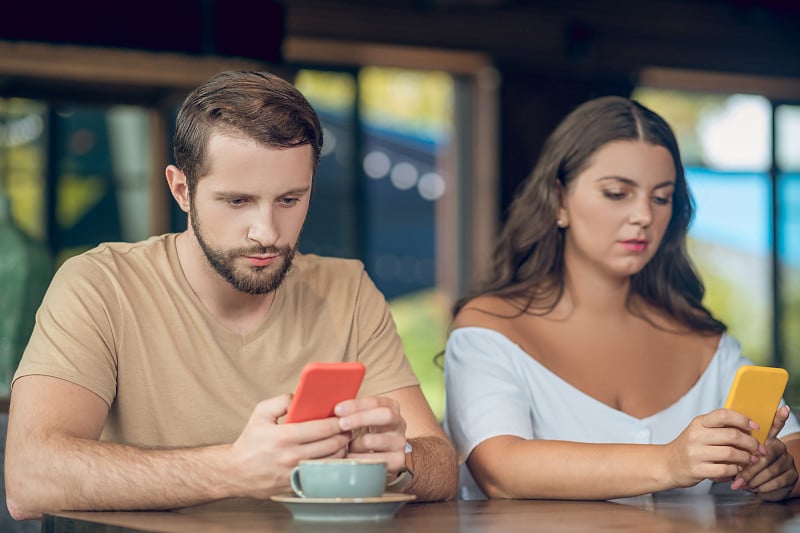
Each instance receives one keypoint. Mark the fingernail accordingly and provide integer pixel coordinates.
(753, 459)
(762, 449)
(753, 425)
(344, 424)
(737, 483)
(339, 410)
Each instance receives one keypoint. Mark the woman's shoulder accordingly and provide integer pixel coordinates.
(485, 311)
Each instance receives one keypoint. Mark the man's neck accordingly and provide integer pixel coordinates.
(237, 311)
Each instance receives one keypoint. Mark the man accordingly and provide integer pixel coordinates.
(144, 381)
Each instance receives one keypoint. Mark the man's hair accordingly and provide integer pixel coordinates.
(529, 257)
(256, 105)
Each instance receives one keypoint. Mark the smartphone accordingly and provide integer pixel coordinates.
(321, 387)
(756, 392)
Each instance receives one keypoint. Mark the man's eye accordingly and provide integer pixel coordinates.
(289, 201)
(237, 202)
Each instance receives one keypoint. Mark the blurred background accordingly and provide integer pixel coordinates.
(434, 111)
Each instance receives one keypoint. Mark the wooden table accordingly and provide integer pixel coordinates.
(661, 514)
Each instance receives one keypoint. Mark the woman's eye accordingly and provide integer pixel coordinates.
(663, 200)
(614, 195)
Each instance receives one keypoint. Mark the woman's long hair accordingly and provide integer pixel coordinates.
(528, 266)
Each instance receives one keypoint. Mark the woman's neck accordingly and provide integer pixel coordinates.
(586, 291)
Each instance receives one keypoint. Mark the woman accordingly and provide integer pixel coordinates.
(587, 367)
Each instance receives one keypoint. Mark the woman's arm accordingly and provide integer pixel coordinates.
(713, 446)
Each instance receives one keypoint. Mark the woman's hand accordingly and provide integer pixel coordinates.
(774, 476)
(714, 446)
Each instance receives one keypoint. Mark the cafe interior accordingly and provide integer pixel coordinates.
(434, 111)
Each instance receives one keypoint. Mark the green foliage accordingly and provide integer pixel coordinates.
(732, 300)
(422, 320)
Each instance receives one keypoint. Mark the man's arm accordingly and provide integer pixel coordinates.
(386, 422)
(55, 462)
(434, 459)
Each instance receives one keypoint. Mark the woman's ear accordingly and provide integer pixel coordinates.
(176, 180)
(562, 218)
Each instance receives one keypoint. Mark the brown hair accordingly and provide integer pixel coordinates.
(258, 105)
(528, 262)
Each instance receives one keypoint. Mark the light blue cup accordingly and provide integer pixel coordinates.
(339, 478)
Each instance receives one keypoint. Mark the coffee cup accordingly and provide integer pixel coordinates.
(339, 478)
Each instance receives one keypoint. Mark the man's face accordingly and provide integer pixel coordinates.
(248, 211)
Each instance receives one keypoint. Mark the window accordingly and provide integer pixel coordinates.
(378, 191)
(744, 236)
(787, 151)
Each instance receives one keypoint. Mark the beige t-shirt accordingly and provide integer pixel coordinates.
(122, 321)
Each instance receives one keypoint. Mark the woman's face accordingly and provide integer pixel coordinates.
(617, 209)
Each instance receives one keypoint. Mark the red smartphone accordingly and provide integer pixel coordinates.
(321, 387)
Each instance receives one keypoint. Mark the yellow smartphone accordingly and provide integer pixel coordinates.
(756, 392)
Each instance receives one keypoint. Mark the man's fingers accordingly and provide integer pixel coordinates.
(349, 407)
(272, 409)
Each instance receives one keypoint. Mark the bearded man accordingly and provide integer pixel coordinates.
(159, 371)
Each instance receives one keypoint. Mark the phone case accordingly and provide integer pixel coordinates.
(321, 387)
(756, 392)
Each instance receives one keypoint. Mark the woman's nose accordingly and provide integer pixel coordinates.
(642, 214)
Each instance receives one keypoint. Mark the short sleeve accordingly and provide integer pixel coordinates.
(378, 343)
(73, 338)
(484, 396)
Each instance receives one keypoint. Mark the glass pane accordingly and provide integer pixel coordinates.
(787, 147)
(787, 141)
(719, 131)
(22, 162)
(725, 146)
(331, 228)
(407, 118)
(376, 194)
(103, 164)
(131, 161)
(789, 253)
(25, 263)
(730, 245)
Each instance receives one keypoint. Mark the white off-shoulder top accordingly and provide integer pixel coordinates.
(495, 388)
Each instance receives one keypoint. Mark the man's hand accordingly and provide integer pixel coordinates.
(774, 476)
(265, 452)
(378, 430)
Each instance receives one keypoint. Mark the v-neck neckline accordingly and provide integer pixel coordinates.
(220, 330)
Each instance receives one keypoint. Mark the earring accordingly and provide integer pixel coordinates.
(561, 223)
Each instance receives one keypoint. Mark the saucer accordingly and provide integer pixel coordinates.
(344, 509)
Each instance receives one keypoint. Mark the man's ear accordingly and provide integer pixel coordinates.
(176, 180)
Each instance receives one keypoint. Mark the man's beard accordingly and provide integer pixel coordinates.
(253, 280)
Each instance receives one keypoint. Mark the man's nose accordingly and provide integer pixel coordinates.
(263, 229)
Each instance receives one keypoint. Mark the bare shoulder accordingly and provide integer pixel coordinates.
(486, 311)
